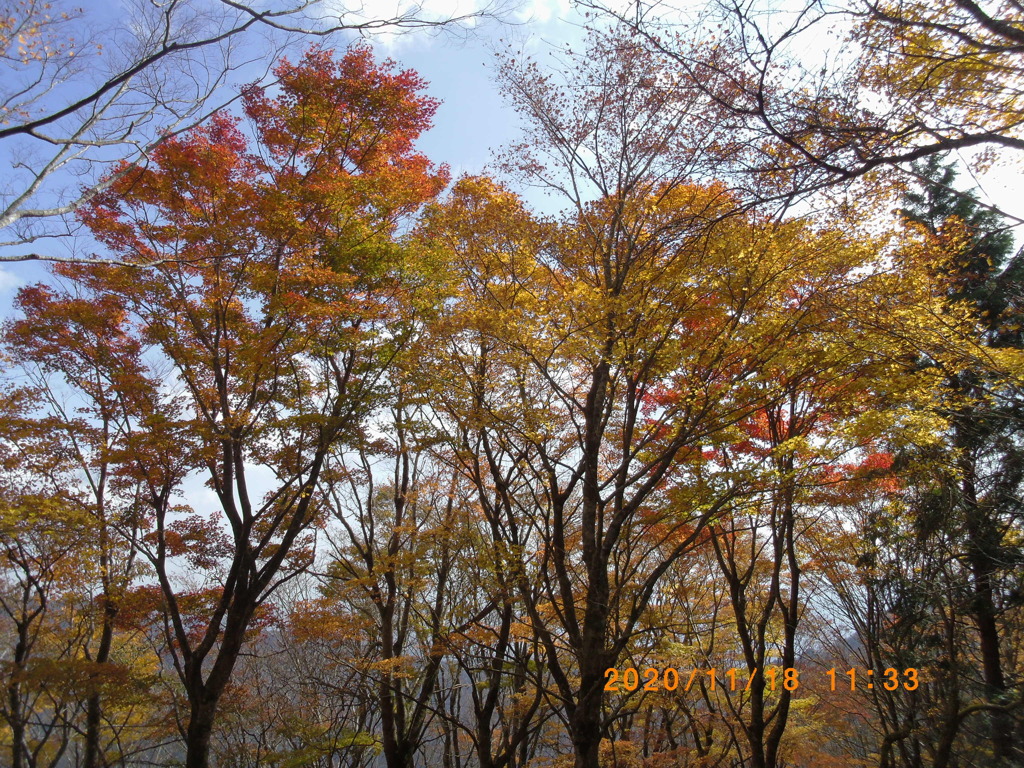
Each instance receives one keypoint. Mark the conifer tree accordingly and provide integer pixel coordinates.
(963, 498)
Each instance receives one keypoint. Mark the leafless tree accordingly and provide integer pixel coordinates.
(826, 93)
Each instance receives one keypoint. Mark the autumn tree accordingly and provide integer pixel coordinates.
(488, 241)
(65, 442)
(262, 331)
(44, 580)
(617, 308)
(961, 501)
(889, 83)
(299, 699)
(393, 569)
(761, 545)
(598, 362)
(68, 440)
(83, 91)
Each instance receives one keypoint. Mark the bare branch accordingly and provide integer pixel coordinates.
(882, 102)
(75, 104)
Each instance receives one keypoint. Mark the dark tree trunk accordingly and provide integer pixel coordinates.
(200, 729)
(982, 541)
(94, 706)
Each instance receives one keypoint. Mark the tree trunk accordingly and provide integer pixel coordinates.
(981, 543)
(94, 706)
(16, 715)
(200, 728)
(585, 724)
(17, 725)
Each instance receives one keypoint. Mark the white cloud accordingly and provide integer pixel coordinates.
(9, 282)
(543, 11)
(393, 23)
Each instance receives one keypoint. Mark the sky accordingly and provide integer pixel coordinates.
(473, 119)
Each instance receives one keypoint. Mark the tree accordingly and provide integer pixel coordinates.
(978, 266)
(70, 457)
(911, 80)
(925, 571)
(43, 575)
(393, 566)
(969, 505)
(598, 363)
(277, 307)
(81, 94)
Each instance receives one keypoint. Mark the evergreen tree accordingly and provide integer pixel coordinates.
(985, 272)
(965, 504)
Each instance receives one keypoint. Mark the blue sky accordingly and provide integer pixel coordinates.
(473, 119)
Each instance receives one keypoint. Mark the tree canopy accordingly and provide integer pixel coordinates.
(326, 458)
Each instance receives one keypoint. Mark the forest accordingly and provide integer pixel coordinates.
(325, 456)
